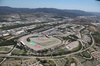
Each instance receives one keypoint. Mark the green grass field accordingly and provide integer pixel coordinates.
(4, 49)
(48, 43)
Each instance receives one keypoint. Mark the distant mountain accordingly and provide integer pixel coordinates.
(96, 13)
(68, 13)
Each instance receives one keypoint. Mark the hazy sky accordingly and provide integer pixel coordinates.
(86, 5)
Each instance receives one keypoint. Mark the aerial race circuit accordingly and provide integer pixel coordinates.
(39, 42)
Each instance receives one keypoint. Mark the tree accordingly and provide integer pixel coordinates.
(28, 39)
(17, 65)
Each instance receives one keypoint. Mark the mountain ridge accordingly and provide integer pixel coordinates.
(60, 12)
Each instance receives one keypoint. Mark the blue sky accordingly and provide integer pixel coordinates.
(86, 5)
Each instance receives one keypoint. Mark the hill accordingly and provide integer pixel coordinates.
(59, 12)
